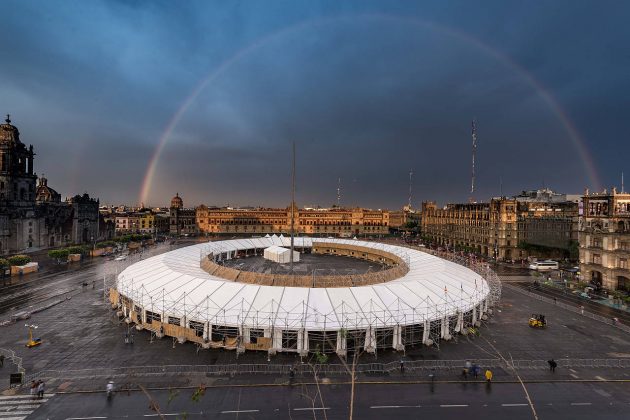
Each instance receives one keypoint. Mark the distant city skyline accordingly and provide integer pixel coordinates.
(134, 102)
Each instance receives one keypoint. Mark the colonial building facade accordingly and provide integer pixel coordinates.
(504, 228)
(31, 217)
(604, 235)
(183, 220)
(313, 222)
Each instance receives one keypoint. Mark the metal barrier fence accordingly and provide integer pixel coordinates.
(16, 360)
(571, 308)
(307, 370)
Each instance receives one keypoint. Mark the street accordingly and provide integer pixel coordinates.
(375, 401)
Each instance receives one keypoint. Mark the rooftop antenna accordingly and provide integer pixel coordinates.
(339, 192)
(474, 152)
(501, 187)
(292, 208)
(622, 188)
(410, 183)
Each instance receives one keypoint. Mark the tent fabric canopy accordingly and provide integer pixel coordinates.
(281, 255)
(174, 284)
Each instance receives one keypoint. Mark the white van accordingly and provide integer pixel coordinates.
(544, 265)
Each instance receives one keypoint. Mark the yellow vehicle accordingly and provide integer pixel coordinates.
(537, 321)
(32, 342)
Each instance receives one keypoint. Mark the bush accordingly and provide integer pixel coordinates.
(105, 244)
(59, 254)
(19, 260)
(78, 250)
(4, 263)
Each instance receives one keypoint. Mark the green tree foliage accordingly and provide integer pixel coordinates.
(78, 250)
(105, 244)
(4, 264)
(19, 260)
(59, 254)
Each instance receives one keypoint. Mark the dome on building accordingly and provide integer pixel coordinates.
(45, 194)
(9, 133)
(177, 202)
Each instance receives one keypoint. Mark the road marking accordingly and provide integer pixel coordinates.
(453, 405)
(574, 371)
(311, 408)
(600, 378)
(395, 406)
(13, 418)
(515, 405)
(11, 397)
(581, 403)
(6, 408)
(84, 418)
(239, 411)
(13, 402)
(575, 376)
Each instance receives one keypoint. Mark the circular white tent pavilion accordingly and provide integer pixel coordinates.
(171, 294)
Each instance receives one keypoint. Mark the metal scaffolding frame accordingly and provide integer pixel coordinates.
(300, 327)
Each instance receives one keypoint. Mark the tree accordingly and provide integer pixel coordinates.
(59, 254)
(19, 260)
(4, 264)
(574, 250)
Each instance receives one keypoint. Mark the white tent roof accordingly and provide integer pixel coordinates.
(174, 283)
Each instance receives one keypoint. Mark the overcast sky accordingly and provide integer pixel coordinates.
(367, 90)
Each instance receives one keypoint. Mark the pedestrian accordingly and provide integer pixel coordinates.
(488, 375)
(582, 309)
(615, 320)
(93, 284)
(40, 389)
(33, 388)
(402, 366)
(555, 301)
(475, 370)
(1, 360)
(552, 365)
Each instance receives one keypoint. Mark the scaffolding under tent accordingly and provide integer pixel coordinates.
(419, 299)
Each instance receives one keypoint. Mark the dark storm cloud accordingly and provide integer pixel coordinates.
(366, 96)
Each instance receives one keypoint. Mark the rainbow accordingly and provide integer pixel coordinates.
(566, 122)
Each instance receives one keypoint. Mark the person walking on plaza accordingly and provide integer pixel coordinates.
(402, 366)
(552, 365)
(33, 389)
(582, 309)
(488, 376)
(1, 360)
(40, 389)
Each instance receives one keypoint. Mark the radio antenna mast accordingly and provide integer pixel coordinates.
(292, 208)
(474, 152)
(339, 192)
(410, 183)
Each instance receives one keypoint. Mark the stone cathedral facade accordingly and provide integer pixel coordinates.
(32, 215)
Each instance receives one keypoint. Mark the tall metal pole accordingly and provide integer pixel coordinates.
(292, 208)
(474, 151)
(410, 179)
(339, 192)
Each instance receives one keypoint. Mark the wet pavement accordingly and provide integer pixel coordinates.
(84, 333)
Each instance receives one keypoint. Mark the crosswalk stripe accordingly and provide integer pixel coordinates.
(8, 408)
(14, 402)
(20, 397)
(14, 407)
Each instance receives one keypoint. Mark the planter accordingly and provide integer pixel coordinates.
(74, 257)
(17, 270)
